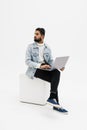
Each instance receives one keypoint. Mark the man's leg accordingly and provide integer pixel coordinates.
(53, 77)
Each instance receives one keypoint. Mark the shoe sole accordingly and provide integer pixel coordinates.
(54, 105)
(66, 113)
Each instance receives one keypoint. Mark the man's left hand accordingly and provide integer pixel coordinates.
(62, 68)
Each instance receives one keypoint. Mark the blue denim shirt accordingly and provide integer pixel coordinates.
(32, 58)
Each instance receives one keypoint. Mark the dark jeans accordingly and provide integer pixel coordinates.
(52, 76)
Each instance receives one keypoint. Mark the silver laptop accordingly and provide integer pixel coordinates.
(59, 63)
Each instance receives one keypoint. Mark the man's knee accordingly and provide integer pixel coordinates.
(57, 71)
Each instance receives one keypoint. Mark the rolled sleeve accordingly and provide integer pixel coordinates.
(38, 65)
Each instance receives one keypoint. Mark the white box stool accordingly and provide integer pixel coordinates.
(33, 90)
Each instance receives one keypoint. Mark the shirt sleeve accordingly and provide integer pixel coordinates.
(28, 60)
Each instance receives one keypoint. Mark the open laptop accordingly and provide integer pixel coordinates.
(59, 63)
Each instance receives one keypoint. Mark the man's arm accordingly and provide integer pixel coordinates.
(28, 60)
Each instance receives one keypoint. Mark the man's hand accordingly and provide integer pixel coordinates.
(62, 68)
(45, 66)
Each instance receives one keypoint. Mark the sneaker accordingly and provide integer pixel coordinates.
(60, 109)
(53, 102)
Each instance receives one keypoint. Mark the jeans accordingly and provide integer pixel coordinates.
(52, 76)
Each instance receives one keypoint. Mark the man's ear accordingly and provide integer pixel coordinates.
(42, 36)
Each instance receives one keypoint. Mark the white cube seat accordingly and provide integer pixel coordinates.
(33, 90)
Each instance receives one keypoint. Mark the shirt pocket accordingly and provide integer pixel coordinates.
(35, 56)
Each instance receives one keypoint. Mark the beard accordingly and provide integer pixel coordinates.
(37, 40)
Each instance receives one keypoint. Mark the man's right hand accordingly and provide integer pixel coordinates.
(45, 66)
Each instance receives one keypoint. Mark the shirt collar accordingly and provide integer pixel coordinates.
(40, 44)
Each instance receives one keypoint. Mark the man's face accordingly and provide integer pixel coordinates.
(38, 37)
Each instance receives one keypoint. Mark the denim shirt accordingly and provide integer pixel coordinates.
(32, 58)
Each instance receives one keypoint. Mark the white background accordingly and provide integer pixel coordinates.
(65, 22)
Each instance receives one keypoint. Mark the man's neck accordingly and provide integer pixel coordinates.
(40, 44)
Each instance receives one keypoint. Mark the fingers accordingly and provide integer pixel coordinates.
(48, 66)
(45, 66)
(62, 68)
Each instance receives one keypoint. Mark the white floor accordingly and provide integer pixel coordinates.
(15, 115)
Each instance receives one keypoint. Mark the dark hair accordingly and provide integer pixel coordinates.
(41, 30)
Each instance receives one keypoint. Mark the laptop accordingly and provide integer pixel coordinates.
(59, 63)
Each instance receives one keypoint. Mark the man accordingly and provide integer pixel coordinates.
(39, 59)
